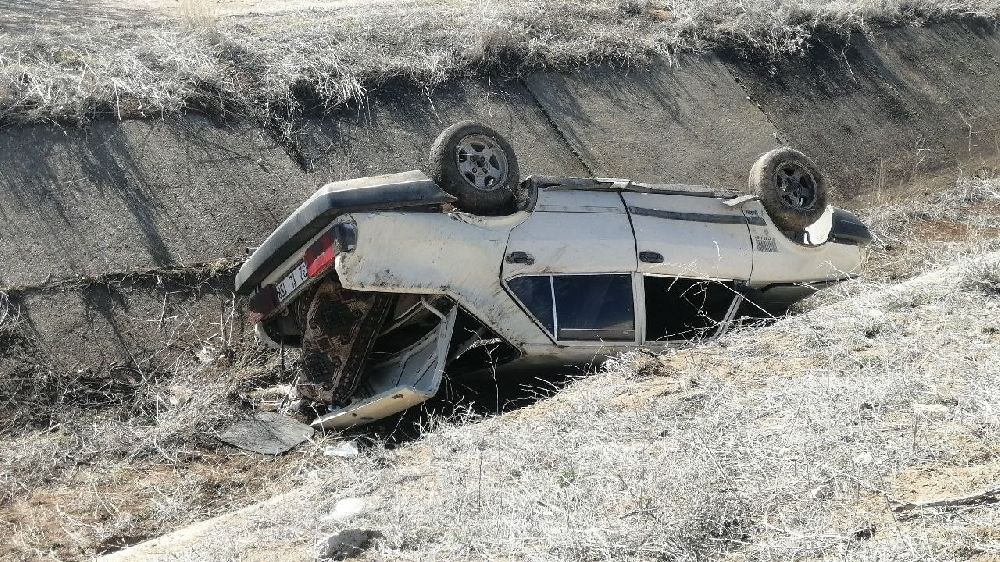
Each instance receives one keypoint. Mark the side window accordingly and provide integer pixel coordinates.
(594, 307)
(679, 309)
(586, 307)
(535, 293)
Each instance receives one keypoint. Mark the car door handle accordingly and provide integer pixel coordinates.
(650, 257)
(520, 257)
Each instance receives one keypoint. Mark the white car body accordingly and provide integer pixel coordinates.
(610, 233)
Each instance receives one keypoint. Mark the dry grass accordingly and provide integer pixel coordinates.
(927, 232)
(789, 442)
(78, 62)
(93, 459)
(780, 443)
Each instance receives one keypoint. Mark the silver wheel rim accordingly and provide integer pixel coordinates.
(796, 187)
(481, 162)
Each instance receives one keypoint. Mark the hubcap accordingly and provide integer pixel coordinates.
(797, 187)
(481, 162)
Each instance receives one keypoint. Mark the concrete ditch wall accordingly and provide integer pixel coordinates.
(877, 111)
(883, 111)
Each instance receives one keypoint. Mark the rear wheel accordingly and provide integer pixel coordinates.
(478, 166)
(791, 188)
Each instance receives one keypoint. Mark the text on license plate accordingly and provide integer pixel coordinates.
(292, 281)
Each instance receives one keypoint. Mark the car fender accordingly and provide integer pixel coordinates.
(778, 259)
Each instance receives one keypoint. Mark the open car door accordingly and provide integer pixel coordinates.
(408, 378)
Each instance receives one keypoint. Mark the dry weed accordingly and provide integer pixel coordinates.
(783, 443)
(199, 15)
(81, 64)
(922, 233)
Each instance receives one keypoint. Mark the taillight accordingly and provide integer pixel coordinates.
(320, 256)
(322, 253)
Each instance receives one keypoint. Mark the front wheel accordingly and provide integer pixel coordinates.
(477, 165)
(791, 188)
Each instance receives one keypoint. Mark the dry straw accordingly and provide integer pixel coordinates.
(76, 63)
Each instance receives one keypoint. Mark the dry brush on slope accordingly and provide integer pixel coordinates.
(856, 431)
(790, 442)
(772, 443)
(76, 61)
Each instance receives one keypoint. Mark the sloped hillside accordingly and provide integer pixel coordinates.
(74, 61)
(864, 428)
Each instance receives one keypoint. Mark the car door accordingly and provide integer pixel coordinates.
(691, 252)
(571, 266)
(407, 378)
(572, 232)
(689, 236)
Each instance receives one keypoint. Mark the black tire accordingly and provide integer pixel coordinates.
(791, 188)
(478, 166)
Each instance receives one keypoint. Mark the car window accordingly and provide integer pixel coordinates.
(535, 293)
(680, 309)
(594, 307)
(586, 307)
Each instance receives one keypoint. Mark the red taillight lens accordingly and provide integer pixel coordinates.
(320, 256)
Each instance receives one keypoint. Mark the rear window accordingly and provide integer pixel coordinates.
(580, 307)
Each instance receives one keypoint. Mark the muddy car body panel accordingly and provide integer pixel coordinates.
(453, 254)
(404, 380)
(587, 268)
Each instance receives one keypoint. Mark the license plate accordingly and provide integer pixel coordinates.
(292, 281)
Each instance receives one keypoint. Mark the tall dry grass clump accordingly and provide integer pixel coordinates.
(127, 62)
(198, 14)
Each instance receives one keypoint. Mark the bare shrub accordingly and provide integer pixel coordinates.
(9, 313)
(983, 275)
(198, 14)
(924, 232)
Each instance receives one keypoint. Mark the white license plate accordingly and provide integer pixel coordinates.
(292, 281)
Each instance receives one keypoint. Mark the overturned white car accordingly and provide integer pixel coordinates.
(389, 282)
